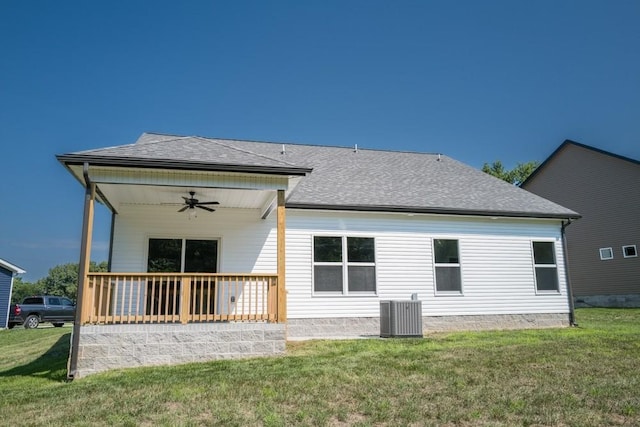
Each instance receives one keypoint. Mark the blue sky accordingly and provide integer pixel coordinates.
(476, 80)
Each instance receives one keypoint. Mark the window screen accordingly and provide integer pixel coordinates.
(335, 272)
(447, 265)
(545, 266)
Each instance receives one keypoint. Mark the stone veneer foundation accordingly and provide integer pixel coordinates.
(370, 326)
(104, 347)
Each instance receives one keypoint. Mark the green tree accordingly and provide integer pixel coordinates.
(515, 176)
(24, 289)
(63, 279)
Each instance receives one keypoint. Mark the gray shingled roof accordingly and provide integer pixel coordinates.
(186, 150)
(343, 178)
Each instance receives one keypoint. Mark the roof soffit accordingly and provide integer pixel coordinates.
(183, 178)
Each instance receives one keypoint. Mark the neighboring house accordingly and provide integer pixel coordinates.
(7, 272)
(603, 246)
(305, 241)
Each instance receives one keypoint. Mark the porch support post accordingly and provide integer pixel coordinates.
(185, 300)
(84, 295)
(282, 292)
(83, 308)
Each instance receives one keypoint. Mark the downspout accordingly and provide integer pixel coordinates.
(83, 268)
(565, 252)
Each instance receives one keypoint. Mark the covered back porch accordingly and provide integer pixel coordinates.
(157, 311)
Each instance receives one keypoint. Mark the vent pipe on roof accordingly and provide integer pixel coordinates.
(283, 150)
(355, 150)
(439, 157)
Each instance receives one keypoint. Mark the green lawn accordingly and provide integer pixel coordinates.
(584, 376)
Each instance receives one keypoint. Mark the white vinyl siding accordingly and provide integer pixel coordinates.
(247, 244)
(496, 256)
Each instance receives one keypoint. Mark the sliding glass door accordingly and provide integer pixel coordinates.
(180, 256)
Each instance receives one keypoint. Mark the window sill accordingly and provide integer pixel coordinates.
(449, 294)
(342, 295)
(548, 292)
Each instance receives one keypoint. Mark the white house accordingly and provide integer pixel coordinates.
(226, 248)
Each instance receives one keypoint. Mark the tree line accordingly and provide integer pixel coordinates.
(62, 280)
(515, 176)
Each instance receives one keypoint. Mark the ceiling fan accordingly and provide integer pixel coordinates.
(192, 203)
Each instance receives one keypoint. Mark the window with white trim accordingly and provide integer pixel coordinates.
(606, 253)
(544, 259)
(344, 265)
(629, 251)
(447, 266)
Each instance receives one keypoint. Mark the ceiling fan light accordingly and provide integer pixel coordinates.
(190, 204)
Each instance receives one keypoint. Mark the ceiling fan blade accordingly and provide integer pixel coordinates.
(186, 199)
(205, 208)
(183, 208)
(209, 203)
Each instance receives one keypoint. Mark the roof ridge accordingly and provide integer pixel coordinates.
(218, 141)
(172, 138)
(133, 144)
(343, 147)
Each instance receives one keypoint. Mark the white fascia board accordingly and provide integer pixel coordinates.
(11, 267)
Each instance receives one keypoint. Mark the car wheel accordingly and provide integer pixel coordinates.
(58, 325)
(31, 322)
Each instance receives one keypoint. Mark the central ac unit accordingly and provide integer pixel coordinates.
(401, 318)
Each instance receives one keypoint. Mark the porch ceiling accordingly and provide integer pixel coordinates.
(117, 195)
(118, 186)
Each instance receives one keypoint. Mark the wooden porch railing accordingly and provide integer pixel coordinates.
(120, 298)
